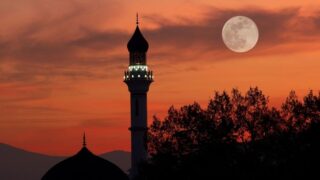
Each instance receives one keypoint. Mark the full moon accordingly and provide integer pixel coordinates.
(240, 34)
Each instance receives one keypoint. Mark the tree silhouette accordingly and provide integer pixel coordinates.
(236, 136)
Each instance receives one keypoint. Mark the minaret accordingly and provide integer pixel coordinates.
(138, 78)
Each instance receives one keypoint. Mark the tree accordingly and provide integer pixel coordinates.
(293, 112)
(236, 136)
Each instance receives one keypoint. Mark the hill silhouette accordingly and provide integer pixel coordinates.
(19, 164)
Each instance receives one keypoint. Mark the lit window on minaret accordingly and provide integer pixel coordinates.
(137, 107)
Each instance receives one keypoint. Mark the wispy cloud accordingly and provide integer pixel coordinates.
(52, 54)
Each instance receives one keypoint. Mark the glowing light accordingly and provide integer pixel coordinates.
(138, 68)
(138, 75)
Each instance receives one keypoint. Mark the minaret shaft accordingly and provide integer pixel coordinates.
(138, 110)
(138, 130)
(138, 88)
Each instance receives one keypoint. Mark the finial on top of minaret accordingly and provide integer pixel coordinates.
(137, 20)
(84, 144)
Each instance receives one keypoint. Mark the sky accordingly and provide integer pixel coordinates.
(62, 63)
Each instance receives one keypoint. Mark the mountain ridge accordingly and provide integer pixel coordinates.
(20, 164)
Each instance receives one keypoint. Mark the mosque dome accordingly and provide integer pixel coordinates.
(85, 166)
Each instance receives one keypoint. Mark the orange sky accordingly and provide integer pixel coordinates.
(62, 63)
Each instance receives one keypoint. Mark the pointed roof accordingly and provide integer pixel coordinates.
(85, 166)
(137, 43)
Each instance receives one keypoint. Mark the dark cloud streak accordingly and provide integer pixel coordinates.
(186, 41)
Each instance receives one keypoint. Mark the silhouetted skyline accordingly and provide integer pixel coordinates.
(61, 63)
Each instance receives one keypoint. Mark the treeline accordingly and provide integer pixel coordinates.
(236, 136)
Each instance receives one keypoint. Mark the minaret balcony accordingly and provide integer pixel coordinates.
(138, 72)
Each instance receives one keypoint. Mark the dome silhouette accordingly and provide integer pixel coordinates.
(85, 166)
(137, 43)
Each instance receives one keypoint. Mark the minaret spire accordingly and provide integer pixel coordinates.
(137, 20)
(84, 144)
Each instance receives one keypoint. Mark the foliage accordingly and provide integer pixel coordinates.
(236, 136)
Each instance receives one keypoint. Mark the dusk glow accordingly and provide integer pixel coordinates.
(62, 63)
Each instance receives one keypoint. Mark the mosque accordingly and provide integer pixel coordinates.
(85, 165)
